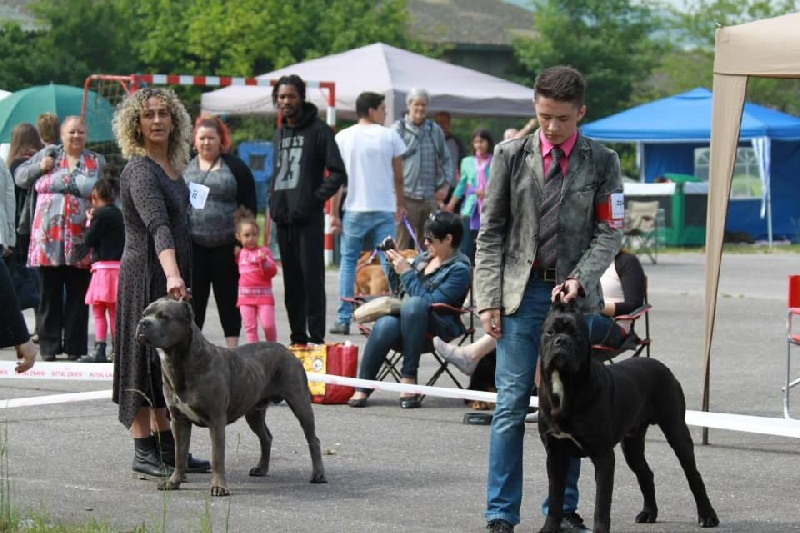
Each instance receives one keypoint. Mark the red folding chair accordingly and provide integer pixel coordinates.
(792, 338)
(632, 340)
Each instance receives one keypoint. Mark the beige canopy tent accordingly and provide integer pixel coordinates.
(764, 48)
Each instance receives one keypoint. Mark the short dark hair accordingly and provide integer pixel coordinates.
(562, 84)
(106, 189)
(366, 101)
(443, 223)
(291, 79)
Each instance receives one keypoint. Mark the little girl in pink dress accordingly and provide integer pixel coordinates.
(256, 270)
(106, 238)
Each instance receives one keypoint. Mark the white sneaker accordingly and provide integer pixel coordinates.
(453, 355)
(532, 418)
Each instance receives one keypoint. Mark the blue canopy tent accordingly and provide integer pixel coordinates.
(668, 131)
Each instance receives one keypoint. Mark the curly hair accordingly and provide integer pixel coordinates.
(127, 119)
(48, 126)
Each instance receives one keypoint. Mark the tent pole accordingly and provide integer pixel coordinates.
(769, 214)
(640, 157)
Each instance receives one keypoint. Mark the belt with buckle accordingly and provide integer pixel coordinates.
(546, 274)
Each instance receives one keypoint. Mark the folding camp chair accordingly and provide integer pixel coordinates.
(792, 338)
(632, 340)
(393, 360)
(641, 228)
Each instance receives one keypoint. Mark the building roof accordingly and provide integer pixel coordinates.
(476, 22)
(17, 10)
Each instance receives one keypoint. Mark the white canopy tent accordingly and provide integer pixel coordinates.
(765, 48)
(4, 148)
(389, 71)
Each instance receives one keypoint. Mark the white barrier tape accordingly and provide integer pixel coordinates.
(781, 427)
(56, 398)
(57, 370)
(463, 394)
(749, 424)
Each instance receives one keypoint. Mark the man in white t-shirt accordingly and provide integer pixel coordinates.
(374, 201)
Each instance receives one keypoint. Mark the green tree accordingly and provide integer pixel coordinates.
(614, 43)
(82, 37)
(249, 37)
(690, 64)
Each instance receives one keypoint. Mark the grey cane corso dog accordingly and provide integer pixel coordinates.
(211, 387)
(587, 407)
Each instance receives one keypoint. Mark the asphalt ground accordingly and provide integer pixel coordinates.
(424, 470)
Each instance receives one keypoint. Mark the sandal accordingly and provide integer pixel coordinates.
(26, 356)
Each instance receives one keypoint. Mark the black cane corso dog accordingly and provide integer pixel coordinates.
(211, 387)
(587, 407)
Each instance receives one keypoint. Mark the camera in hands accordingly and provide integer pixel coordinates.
(386, 244)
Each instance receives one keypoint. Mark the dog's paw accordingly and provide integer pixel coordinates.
(647, 516)
(318, 478)
(709, 521)
(258, 471)
(218, 490)
(551, 526)
(169, 485)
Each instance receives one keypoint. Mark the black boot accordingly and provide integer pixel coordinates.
(147, 462)
(167, 444)
(98, 356)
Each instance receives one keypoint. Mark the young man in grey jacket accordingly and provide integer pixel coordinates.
(551, 220)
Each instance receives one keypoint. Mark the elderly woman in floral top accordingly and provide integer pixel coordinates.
(62, 178)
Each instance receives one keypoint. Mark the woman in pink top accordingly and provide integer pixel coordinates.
(256, 270)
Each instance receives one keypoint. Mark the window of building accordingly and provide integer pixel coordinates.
(746, 182)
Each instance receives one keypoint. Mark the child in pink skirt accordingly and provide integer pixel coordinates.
(106, 237)
(256, 270)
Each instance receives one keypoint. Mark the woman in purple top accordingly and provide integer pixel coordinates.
(471, 186)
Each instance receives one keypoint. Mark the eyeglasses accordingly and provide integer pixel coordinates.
(434, 216)
(429, 238)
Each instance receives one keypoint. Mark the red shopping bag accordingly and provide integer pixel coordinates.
(339, 359)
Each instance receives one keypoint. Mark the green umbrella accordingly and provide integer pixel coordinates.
(63, 100)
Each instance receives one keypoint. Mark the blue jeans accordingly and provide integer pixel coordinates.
(356, 226)
(517, 353)
(406, 332)
(603, 330)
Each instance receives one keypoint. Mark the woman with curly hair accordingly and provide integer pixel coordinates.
(153, 130)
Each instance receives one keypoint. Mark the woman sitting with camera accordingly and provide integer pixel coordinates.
(441, 274)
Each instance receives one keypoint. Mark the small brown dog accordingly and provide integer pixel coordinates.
(370, 277)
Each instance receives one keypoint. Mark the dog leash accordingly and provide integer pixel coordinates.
(369, 260)
(413, 235)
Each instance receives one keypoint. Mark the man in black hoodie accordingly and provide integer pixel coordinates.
(304, 148)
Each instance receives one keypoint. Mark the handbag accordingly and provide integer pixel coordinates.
(340, 359)
(376, 308)
(26, 284)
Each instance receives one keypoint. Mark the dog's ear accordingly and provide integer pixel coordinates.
(187, 307)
